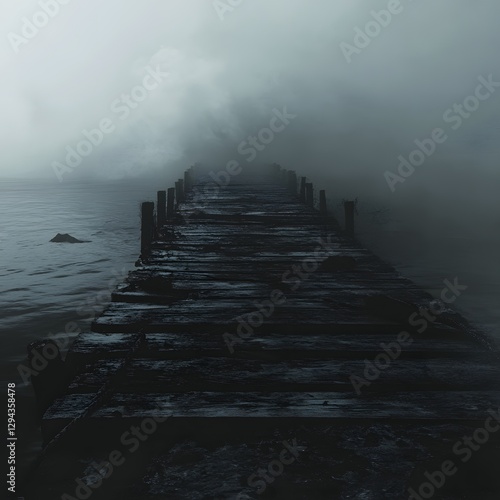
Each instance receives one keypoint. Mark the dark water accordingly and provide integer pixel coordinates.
(46, 286)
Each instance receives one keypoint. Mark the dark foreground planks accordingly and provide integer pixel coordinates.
(125, 410)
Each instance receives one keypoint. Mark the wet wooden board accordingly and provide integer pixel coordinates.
(221, 276)
(341, 310)
(127, 316)
(191, 344)
(144, 376)
(406, 405)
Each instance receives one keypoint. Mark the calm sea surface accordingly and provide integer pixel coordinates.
(44, 286)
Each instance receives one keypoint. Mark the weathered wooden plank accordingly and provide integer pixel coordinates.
(336, 307)
(335, 279)
(190, 311)
(427, 405)
(261, 255)
(286, 345)
(158, 288)
(244, 375)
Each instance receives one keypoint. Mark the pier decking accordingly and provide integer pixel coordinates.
(253, 311)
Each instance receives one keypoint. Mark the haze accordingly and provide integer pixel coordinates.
(225, 77)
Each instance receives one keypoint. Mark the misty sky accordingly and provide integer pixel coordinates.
(222, 79)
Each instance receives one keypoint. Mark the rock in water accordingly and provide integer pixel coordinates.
(65, 238)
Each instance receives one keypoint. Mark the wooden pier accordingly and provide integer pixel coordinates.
(252, 317)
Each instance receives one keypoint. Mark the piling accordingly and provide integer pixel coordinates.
(147, 227)
(292, 182)
(170, 203)
(284, 177)
(179, 191)
(322, 203)
(276, 169)
(161, 216)
(187, 181)
(52, 377)
(303, 182)
(349, 217)
(310, 194)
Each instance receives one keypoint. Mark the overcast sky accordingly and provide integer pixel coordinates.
(219, 80)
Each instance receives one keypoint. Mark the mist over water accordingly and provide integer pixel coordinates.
(220, 82)
(222, 74)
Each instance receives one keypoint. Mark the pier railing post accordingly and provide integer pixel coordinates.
(170, 203)
(303, 182)
(51, 382)
(292, 182)
(284, 177)
(177, 201)
(276, 171)
(161, 215)
(322, 203)
(179, 191)
(349, 217)
(182, 192)
(187, 181)
(310, 194)
(147, 227)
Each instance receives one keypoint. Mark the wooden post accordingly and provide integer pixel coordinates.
(147, 227)
(310, 194)
(192, 177)
(192, 173)
(161, 215)
(276, 171)
(177, 194)
(183, 191)
(303, 189)
(349, 217)
(292, 182)
(52, 381)
(322, 203)
(170, 203)
(179, 191)
(284, 177)
(187, 181)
